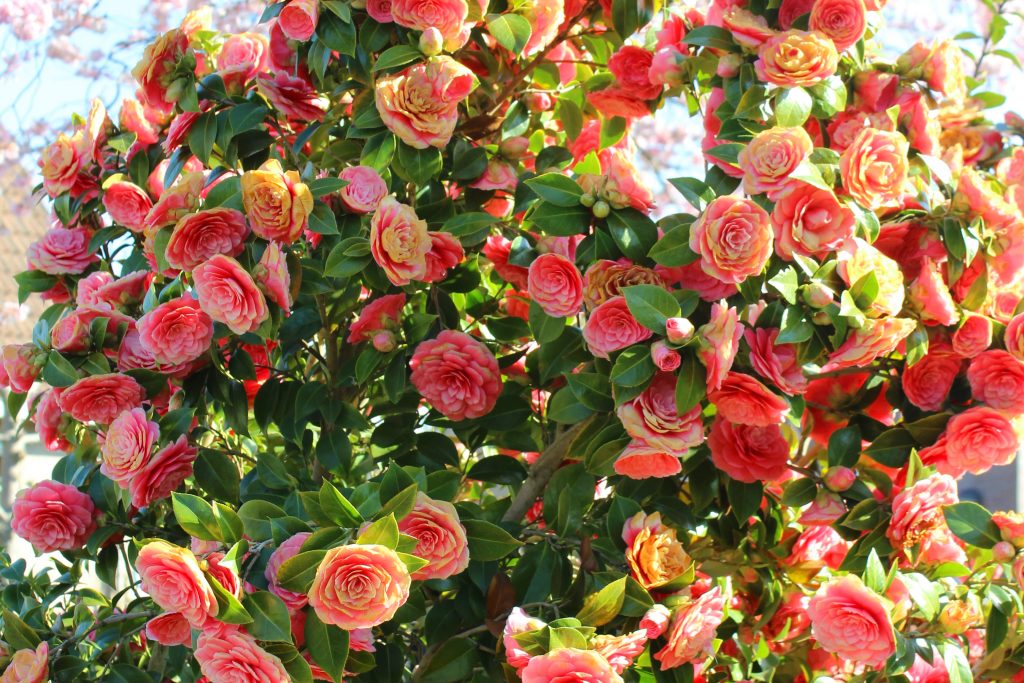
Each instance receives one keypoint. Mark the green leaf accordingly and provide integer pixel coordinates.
(325, 186)
(470, 228)
(874, 573)
(923, 593)
(337, 507)
(633, 367)
(673, 249)
(488, 542)
(58, 371)
(892, 447)
(398, 55)
(453, 661)
(691, 385)
(972, 524)
(297, 573)
(603, 606)
(556, 189)
(710, 36)
(337, 34)
(844, 447)
(400, 504)
(229, 609)
(544, 327)
(634, 233)
(202, 135)
(17, 633)
(195, 516)
(419, 166)
(270, 619)
(217, 474)
(799, 492)
(323, 221)
(745, 498)
(651, 305)
(560, 221)
(786, 282)
(629, 15)
(792, 107)
(382, 532)
(512, 31)
(328, 645)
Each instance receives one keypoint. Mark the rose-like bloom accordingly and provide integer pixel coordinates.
(164, 473)
(447, 16)
(940, 64)
(747, 28)
(1013, 338)
(181, 199)
(652, 418)
(919, 525)
(359, 586)
(654, 555)
(277, 203)
(172, 578)
(399, 241)
(49, 421)
(638, 460)
(169, 629)
(61, 162)
(825, 510)
(295, 97)
(796, 58)
(177, 331)
(771, 157)
(229, 295)
(927, 382)
(606, 279)
(445, 253)
(778, 363)
(853, 622)
(137, 118)
(380, 11)
(874, 168)
(997, 378)
(497, 250)
(273, 278)
(101, 398)
(241, 58)
(720, 342)
(620, 651)
(980, 438)
(440, 538)
(421, 104)
(1011, 526)
(381, 314)
(810, 221)
(156, 71)
(457, 375)
(498, 175)
(930, 297)
(857, 260)
(53, 516)
(844, 21)
(630, 65)
(556, 285)
(566, 664)
(364, 191)
(692, 631)
(127, 444)
(874, 339)
(545, 17)
(611, 327)
(734, 239)
(28, 666)
(665, 359)
(621, 184)
(198, 237)
(298, 19)
(656, 620)
(973, 336)
(817, 547)
(226, 654)
(749, 454)
(282, 553)
(19, 366)
(61, 251)
(743, 400)
(128, 204)
(518, 622)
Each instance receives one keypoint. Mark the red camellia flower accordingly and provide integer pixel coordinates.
(997, 378)
(630, 65)
(200, 236)
(611, 327)
(457, 375)
(556, 285)
(165, 472)
(101, 398)
(749, 454)
(53, 516)
(298, 19)
(844, 21)
(980, 438)
(741, 399)
(928, 381)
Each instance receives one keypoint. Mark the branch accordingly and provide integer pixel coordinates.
(541, 471)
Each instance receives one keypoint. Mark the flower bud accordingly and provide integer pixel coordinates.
(818, 295)
(587, 199)
(666, 359)
(729, 65)
(1003, 551)
(839, 478)
(539, 101)
(431, 41)
(515, 147)
(826, 508)
(601, 209)
(678, 331)
(384, 341)
(959, 616)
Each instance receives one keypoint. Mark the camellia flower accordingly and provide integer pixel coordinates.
(796, 58)
(227, 653)
(298, 19)
(200, 236)
(918, 522)
(652, 418)
(272, 275)
(359, 586)
(747, 453)
(157, 73)
(128, 204)
(851, 621)
(399, 241)
(420, 104)
(654, 555)
(440, 538)
(277, 203)
(556, 285)
(53, 516)
(62, 251)
(172, 578)
(611, 327)
(101, 398)
(734, 239)
(28, 665)
(165, 472)
(177, 331)
(874, 168)
(692, 630)
(844, 21)
(229, 295)
(569, 664)
(447, 16)
(128, 444)
(458, 375)
(810, 221)
(365, 189)
(771, 157)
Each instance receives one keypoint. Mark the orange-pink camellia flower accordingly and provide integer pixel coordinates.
(447, 16)
(53, 516)
(157, 70)
(566, 664)
(170, 629)
(421, 104)
(851, 621)
(980, 438)
(744, 400)
(176, 331)
(796, 58)
(858, 260)
(778, 363)
(399, 241)
(997, 379)
(127, 444)
(365, 190)
(61, 251)
(692, 632)
(844, 21)
(556, 285)
(1013, 337)
(127, 204)
(874, 168)
(359, 586)
(28, 666)
(272, 275)
(973, 336)
(457, 375)
(440, 538)
(298, 19)
(101, 398)
(164, 473)
(771, 157)
(200, 236)
(172, 578)
(810, 221)
(652, 418)
(918, 524)
(277, 203)
(720, 342)
(229, 295)
(874, 338)
(733, 237)
(227, 654)
(747, 453)
(654, 554)
(638, 460)
(61, 162)
(611, 327)
(927, 382)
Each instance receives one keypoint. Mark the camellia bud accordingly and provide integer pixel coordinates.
(431, 41)
(1003, 551)
(678, 330)
(515, 147)
(666, 359)
(587, 200)
(959, 616)
(729, 65)
(839, 478)
(825, 509)
(818, 295)
(821, 318)
(384, 341)
(601, 209)
(539, 101)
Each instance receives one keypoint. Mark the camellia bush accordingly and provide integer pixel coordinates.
(369, 360)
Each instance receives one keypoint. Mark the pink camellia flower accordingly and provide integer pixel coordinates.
(980, 438)
(518, 622)
(720, 342)
(71, 333)
(826, 508)
(734, 239)
(50, 422)
(172, 578)
(665, 359)
(778, 363)
(128, 204)
(918, 524)
(678, 331)
(445, 253)
(20, 366)
(61, 251)
(620, 651)
(359, 586)
(177, 331)
(227, 654)
(927, 382)
(421, 104)
(165, 472)
(1013, 337)
(858, 260)
(380, 11)
(747, 29)
(796, 58)
(181, 199)
(399, 241)
(570, 664)
(641, 461)
(497, 250)
(844, 21)
(973, 336)
(273, 278)
(440, 538)
(499, 175)
(997, 378)
(692, 631)
(28, 666)
(749, 454)
(53, 516)
(156, 70)
(200, 236)
(623, 184)
(743, 400)
(242, 57)
(298, 19)
(656, 620)
(229, 295)
(381, 314)
(875, 338)
(1011, 526)
(930, 297)
(136, 118)
(630, 64)
(817, 547)
(874, 168)
(364, 191)
(295, 97)
(652, 418)
(277, 203)
(556, 285)
(545, 17)
(88, 291)
(852, 622)
(101, 398)
(282, 553)
(771, 157)
(128, 444)
(132, 354)
(457, 375)
(810, 221)
(61, 162)
(169, 629)
(447, 16)
(611, 327)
